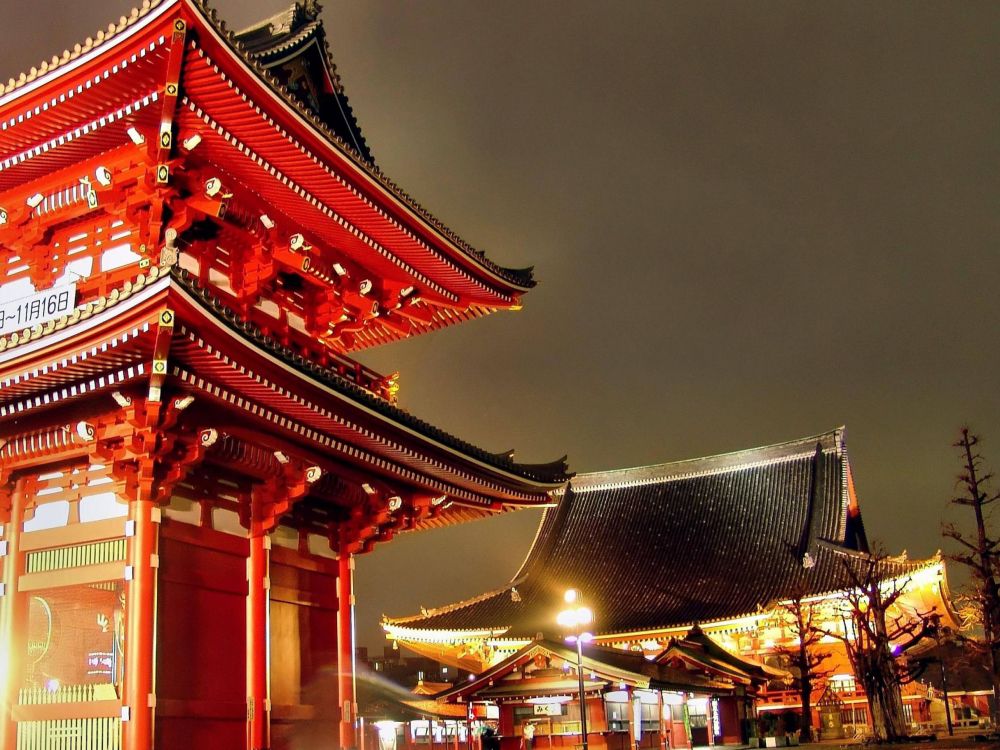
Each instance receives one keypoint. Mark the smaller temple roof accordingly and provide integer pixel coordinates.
(603, 667)
(666, 546)
(697, 649)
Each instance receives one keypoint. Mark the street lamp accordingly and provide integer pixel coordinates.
(575, 617)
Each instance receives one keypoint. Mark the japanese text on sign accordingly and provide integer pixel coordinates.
(18, 314)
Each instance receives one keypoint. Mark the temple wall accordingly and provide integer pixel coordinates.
(65, 614)
(201, 648)
(201, 638)
(303, 650)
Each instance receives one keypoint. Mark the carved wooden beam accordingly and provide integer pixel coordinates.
(274, 498)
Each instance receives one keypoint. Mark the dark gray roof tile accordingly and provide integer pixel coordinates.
(684, 542)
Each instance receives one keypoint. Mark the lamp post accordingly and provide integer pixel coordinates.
(947, 704)
(574, 617)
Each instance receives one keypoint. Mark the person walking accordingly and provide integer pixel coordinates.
(528, 735)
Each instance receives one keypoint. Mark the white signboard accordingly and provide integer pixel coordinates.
(41, 307)
(548, 709)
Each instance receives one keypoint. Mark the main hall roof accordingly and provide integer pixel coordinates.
(692, 541)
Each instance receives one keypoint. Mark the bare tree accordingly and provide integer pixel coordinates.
(980, 555)
(803, 619)
(875, 630)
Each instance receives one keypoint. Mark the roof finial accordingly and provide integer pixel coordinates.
(311, 9)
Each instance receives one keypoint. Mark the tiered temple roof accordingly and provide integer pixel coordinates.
(292, 46)
(303, 218)
(667, 546)
(206, 204)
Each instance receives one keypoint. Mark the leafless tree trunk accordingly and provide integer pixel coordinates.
(980, 555)
(803, 620)
(873, 638)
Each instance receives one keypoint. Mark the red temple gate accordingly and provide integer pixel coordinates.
(193, 241)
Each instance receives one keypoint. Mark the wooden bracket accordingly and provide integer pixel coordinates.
(146, 450)
(272, 499)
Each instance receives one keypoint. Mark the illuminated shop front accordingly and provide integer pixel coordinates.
(631, 701)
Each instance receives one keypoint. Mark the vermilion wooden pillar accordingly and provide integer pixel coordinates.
(13, 620)
(345, 648)
(139, 697)
(258, 643)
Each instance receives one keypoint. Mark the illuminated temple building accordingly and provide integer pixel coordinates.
(705, 549)
(194, 240)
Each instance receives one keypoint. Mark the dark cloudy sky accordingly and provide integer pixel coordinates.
(751, 222)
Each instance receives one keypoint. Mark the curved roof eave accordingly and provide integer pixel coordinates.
(518, 280)
(334, 384)
(514, 280)
(403, 626)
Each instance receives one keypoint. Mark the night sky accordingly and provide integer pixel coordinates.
(751, 222)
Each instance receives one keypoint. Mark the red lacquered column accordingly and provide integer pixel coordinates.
(13, 620)
(345, 649)
(140, 634)
(258, 643)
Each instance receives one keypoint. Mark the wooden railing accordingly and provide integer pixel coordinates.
(102, 733)
(40, 696)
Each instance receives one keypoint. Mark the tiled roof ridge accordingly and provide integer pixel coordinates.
(534, 472)
(535, 553)
(522, 277)
(534, 549)
(447, 608)
(747, 458)
(304, 32)
(68, 56)
(297, 24)
(289, 15)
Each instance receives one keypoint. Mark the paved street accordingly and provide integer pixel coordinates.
(963, 742)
